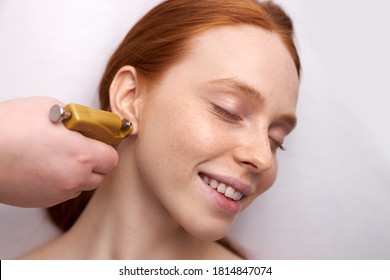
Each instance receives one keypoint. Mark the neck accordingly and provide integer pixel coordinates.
(125, 220)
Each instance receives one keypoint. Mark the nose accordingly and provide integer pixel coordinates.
(254, 153)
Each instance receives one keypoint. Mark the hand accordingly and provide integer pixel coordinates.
(43, 163)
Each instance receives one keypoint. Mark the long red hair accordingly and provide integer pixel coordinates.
(161, 38)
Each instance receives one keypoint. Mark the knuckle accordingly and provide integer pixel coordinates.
(85, 159)
(113, 159)
(76, 181)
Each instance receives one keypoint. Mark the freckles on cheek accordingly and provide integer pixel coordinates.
(182, 132)
(187, 136)
(195, 137)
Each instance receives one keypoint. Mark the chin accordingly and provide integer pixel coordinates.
(209, 230)
(209, 236)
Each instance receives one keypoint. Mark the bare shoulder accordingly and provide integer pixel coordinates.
(40, 253)
(218, 251)
(49, 251)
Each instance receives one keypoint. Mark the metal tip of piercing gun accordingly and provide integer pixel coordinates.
(96, 124)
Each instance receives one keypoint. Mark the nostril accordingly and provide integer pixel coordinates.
(249, 164)
(259, 159)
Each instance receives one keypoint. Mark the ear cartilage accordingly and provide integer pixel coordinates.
(96, 124)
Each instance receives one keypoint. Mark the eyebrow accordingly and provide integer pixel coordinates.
(238, 86)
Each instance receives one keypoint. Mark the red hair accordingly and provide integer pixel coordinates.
(161, 38)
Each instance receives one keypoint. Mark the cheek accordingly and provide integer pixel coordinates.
(170, 141)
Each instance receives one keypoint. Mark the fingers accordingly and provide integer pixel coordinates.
(104, 157)
(45, 163)
(101, 160)
(95, 180)
(88, 162)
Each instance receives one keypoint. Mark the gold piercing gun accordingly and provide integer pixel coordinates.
(96, 124)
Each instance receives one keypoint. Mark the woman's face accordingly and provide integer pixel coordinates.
(210, 129)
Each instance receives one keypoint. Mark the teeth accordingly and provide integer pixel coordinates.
(221, 188)
(237, 196)
(228, 191)
(213, 183)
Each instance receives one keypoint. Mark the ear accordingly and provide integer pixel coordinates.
(124, 95)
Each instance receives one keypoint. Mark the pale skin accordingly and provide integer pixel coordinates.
(201, 118)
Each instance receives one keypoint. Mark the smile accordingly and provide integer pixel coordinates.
(222, 188)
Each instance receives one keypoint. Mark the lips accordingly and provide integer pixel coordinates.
(228, 186)
(222, 188)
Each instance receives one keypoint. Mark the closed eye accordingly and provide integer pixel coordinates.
(226, 114)
(276, 145)
(231, 117)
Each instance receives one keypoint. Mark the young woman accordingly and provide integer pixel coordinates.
(210, 88)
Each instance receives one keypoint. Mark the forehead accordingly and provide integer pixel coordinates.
(248, 53)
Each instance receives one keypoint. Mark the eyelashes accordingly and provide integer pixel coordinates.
(234, 118)
(226, 114)
(277, 145)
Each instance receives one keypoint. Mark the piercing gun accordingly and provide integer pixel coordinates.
(96, 124)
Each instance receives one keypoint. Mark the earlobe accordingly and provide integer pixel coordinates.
(123, 95)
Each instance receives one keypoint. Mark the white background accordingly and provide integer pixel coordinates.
(332, 198)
